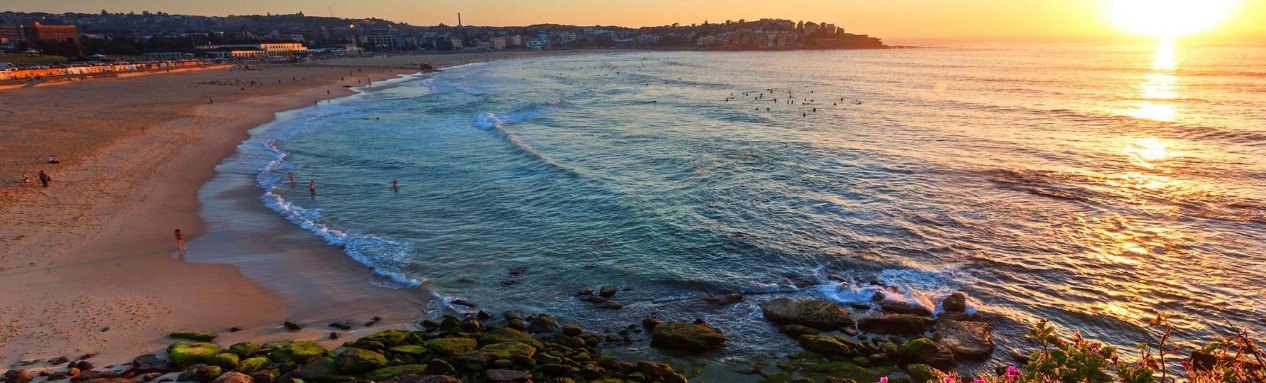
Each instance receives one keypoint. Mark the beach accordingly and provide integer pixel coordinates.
(89, 264)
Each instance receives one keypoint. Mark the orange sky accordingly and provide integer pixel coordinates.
(893, 20)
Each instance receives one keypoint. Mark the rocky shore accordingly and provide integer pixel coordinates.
(510, 347)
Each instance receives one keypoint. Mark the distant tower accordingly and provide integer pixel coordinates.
(459, 19)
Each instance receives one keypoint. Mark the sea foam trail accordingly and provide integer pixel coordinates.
(380, 255)
(494, 122)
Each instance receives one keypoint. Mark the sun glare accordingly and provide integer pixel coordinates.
(1169, 19)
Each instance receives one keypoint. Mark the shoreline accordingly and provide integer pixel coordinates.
(89, 264)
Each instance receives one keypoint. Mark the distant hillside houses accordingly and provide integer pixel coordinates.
(300, 36)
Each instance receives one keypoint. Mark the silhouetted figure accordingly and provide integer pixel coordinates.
(44, 178)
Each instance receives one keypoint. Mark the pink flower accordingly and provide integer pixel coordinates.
(1012, 373)
(883, 379)
(978, 380)
(949, 379)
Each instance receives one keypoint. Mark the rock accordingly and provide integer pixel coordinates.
(610, 304)
(573, 330)
(502, 335)
(93, 375)
(542, 324)
(516, 323)
(200, 373)
(903, 324)
(59, 360)
(82, 365)
(395, 371)
(695, 337)
(202, 336)
(812, 313)
(356, 361)
(607, 291)
(451, 346)
(902, 306)
(795, 330)
(235, 329)
(233, 377)
(483, 315)
(922, 372)
(826, 345)
(423, 379)
(264, 376)
(388, 338)
(506, 376)
(18, 376)
(188, 353)
(410, 349)
(660, 372)
(321, 370)
(224, 360)
(650, 322)
(252, 365)
(333, 335)
(341, 324)
(244, 349)
(152, 363)
(450, 324)
(507, 350)
(296, 352)
(292, 326)
(440, 367)
(968, 340)
(109, 380)
(151, 376)
(926, 351)
(954, 303)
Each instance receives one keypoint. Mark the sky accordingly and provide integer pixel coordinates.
(893, 20)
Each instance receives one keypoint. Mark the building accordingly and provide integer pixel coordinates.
(253, 49)
(382, 38)
(498, 42)
(64, 33)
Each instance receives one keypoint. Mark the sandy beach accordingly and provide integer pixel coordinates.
(89, 264)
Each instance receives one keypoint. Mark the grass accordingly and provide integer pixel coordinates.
(19, 59)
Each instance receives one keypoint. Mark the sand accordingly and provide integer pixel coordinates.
(89, 264)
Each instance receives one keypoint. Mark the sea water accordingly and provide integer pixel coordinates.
(1093, 185)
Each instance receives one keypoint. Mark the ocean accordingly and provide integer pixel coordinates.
(1095, 185)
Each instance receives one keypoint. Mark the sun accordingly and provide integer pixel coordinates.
(1169, 19)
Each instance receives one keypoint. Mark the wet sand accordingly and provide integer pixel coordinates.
(89, 264)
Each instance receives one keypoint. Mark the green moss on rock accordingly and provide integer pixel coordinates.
(201, 336)
(391, 372)
(297, 352)
(388, 338)
(244, 349)
(451, 346)
(224, 359)
(826, 345)
(321, 370)
(410, 349)
(252, 365)
(355, 361)
(503, 335)
(186, 353)
(686, 336)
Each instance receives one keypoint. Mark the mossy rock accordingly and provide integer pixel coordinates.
(410, 349)
(367, 345)
(573, 330)
(201, 336)
(817, 314)
(391, 372)
(921, 373)
(296, 352)
(606, 380)
(826, 345)
(252, 365)
(187, 353)
(926, 351)
(508, 350)
(542, 324)
(244, 349)
(503, 335)
(224, 359)
(796, 330)
(451, 346)
(844, 370)
(388, 338)
(200, 373)
(355, 361)
(685, 336)
(321, 370)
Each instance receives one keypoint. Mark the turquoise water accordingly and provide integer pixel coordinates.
(1083, 183)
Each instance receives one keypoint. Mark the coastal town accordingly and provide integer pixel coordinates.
(159, 35)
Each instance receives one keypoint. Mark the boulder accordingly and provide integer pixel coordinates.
(542, 324)
(903, 324)
(440, 367)
(321, 370)
(954, 303)
(292, 326)
(341, 324)
(18, 376)
(660, 372)
(92, 375)
(188, 353)
(508, 350)
(807, 312)
(968, 340)
(148, 363)
(396, 371)
(922, 372)
(451, 346)
(899, 304)
(573, 330)
(410, 349)
(251, 365)
(826, 345)
(388, 338)
(795, 331)
(607, 291)
(264, 376)
(506, 376)
(233, 377)
(926, 351)
(356, 361)
(224, 360)
(200, 373)
(296, 352)
(201, 336)
(685, 336)
(244, 349)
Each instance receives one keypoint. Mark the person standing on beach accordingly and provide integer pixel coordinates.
(44, 178)
(180, 240)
